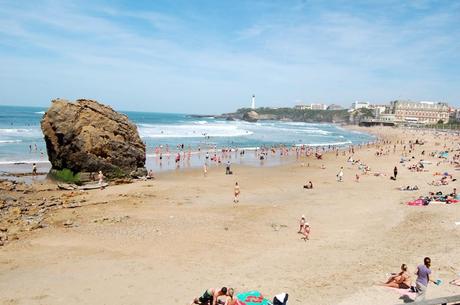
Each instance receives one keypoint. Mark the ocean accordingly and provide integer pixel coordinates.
(21, 139)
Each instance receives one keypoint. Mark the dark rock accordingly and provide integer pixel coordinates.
(86, 136)
(251, 116)
(139, 172)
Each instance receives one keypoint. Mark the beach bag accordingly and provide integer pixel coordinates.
(280, 299)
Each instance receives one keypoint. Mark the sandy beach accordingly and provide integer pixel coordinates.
(165, 241)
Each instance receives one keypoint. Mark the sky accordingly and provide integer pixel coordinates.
(209, 57)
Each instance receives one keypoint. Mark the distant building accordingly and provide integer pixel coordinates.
(419, 112)
(377, 110)
(455, 115)
(302, 107)
(386, 117)
(318, 106)
(334, 107)
(253, 102)
(357, 105)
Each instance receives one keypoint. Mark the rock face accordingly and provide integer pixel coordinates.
(86, 136)
(251, 116)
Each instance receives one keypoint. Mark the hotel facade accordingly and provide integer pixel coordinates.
(419, 112)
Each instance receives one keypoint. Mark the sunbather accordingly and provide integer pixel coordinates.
(309, 185)
(210, 296)
(400, 280)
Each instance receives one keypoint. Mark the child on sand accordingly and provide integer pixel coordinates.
(100, 177)
(306, 231)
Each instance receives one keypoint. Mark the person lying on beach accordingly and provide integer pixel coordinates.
(455, 282)
(399, 280)
(408, 188)
(210, 296)
(308, 185)
(230, 299)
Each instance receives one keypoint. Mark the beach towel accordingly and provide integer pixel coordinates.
(251, 298)
(404, 292)
(418, 202)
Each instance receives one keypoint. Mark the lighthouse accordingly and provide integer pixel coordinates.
(253, 104)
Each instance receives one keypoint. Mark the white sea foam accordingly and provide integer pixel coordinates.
(20, 132)
(40, 112)
(14, 130)
(24, 162)
(10, 141)
(326, 144)
(191, 131)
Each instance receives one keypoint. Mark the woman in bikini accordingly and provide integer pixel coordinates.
(400, 280)
(236, 192)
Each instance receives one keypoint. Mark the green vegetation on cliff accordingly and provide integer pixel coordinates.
(297, 115)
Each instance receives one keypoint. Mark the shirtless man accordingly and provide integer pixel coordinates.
(210, 296)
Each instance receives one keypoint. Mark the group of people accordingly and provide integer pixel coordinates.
(227, 296)
(403, 280)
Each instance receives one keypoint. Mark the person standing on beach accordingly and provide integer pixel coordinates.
(205, 170)
(236, 192)
(423, 277)
(34, 169)
(395, 172)
(227, 168)
(340, 175)
(301, 224)
(100, 177)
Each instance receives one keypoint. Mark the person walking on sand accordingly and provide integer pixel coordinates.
(306, 231)
(395, 172)
(340, 175)
(423, 278)
(236, 192)
(227, 168)
(301, 224)
(205, 170)
(100, 178)
(34, 169)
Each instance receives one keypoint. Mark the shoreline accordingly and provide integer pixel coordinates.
(194, 159)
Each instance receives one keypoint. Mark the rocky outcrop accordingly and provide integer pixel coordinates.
(251, 116)
(86, 136)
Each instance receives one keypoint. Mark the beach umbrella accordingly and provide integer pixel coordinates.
(251, 298)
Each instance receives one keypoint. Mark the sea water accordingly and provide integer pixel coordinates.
(21, 139)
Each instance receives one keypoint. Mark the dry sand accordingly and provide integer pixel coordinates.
(165, 241)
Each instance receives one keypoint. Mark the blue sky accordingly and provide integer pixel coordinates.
(211, 56)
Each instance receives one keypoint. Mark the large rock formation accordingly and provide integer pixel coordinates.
(251, 116)
(86, 136)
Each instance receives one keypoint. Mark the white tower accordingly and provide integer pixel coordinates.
(253, 104)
